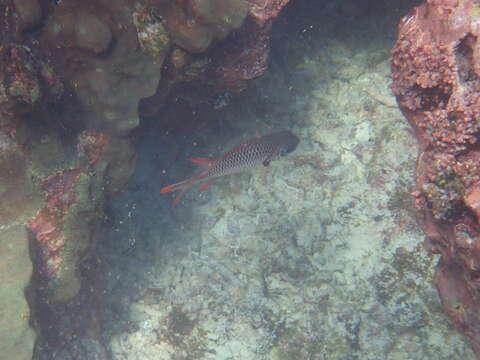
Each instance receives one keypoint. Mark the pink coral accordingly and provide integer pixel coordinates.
(54, 238)
(436, 79)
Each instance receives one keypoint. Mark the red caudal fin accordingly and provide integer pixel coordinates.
(179, 197)
(177, 186)
(183, 186)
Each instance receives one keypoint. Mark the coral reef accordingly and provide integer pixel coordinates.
(26, 83)
(62, 228)
(436, 79)
(245, 57)
(106, 71)
(72, 75)
(229, 65)
(194, 24)
(164, 31)
(318, 259)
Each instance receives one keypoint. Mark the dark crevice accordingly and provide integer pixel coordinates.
(432, 98)
(464, 59)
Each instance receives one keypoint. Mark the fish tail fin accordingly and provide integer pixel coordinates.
(179, 197)
(174, 187)
(183, 186)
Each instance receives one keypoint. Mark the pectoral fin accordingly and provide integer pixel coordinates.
(206, 184)
(271, 157)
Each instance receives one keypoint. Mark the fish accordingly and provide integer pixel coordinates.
(259, 151)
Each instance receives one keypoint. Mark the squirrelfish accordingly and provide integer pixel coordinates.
(254, 153)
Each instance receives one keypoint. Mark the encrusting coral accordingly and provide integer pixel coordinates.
(195, 24)
(436, 79)
(227, 66)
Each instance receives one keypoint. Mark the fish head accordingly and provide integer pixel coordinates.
(287, 141)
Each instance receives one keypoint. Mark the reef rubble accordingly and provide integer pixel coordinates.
(436, 80)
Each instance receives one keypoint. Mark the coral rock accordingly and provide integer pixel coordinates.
(30, 13)
(472, 199)
(232, 63)
(16, 336)
(186, 33)
(90, 146)
(91, 33)
(436, 79)
(245, 57)
(15, 184)
(25, 80)
(264, 11)
(151, 33)
(108, 67)
(62, 229)
(194, 24)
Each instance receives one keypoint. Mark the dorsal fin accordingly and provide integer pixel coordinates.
(202, 160)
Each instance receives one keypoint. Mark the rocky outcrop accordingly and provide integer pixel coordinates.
(436, 79)
(72, 75)
(17, 337)
(95, 48)
(228, 65)
(23, 88)
(62, 229)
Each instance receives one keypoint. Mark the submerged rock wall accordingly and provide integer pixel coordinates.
(73, 75)
(436, 79)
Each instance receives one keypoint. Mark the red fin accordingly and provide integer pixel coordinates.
(183, 186)
(173, 187)
(202, 160)
(179, 197)
(207, 184)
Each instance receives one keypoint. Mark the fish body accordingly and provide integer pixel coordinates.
(254, 153)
